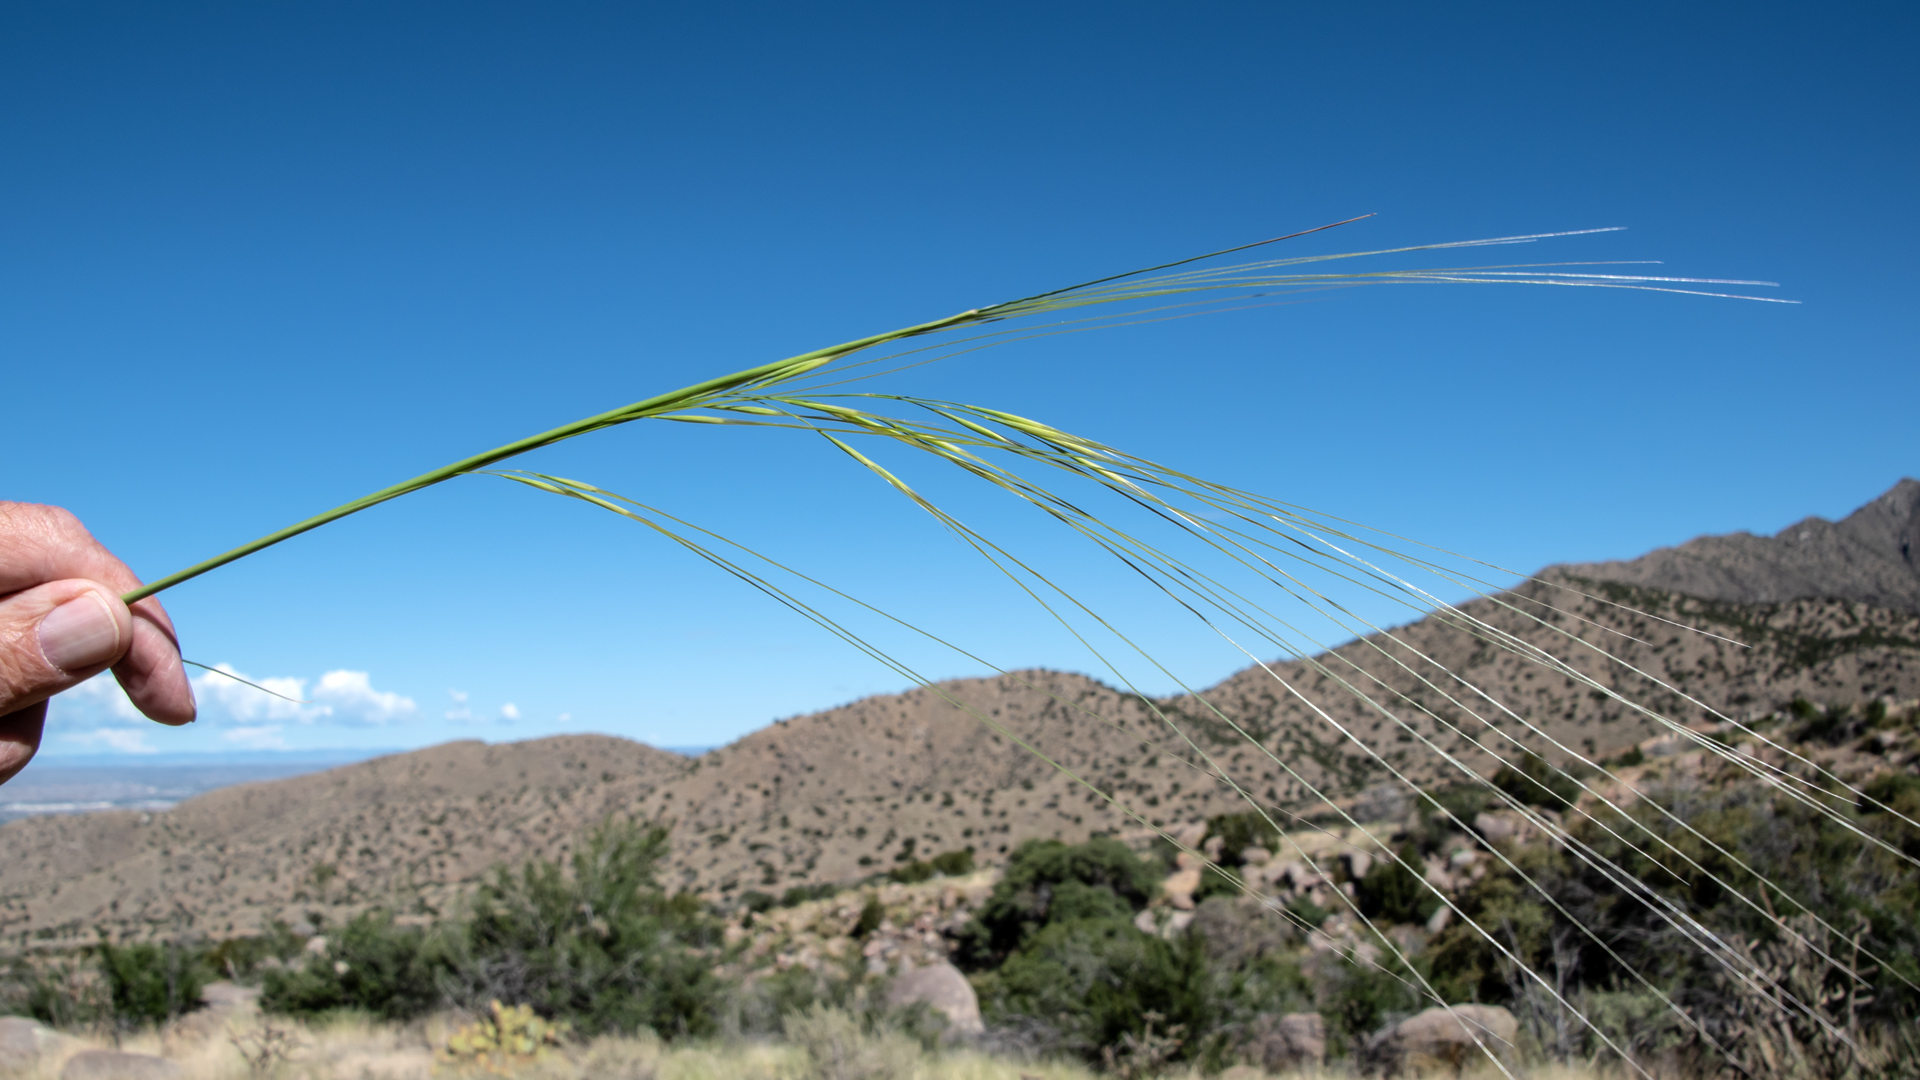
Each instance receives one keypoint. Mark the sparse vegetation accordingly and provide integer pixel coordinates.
(1048, 881)
(151, 982)
(945, 864)
(509, 1040)
(1534, 782)
(596, 943)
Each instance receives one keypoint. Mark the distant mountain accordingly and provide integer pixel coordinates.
(1872, 555)
(859, 789)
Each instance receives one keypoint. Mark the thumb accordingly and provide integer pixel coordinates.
(56, 635)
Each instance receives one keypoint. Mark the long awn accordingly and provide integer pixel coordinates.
(1252, 556)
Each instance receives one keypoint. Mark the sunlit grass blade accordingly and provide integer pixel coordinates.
(1256, 576)
(1240, 278)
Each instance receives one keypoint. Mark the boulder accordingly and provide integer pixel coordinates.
(1180, 885)
(225, 997)
(1358, 864)
(114, 1065)
(24, 1041)
(943, 989)
(223, 1003)
(1190, 834)
(1496, 827)
(1442, 1038)
(1282, 1044)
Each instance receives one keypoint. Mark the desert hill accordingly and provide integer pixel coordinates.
(395, 828)
(1872, 555)
(844, 793)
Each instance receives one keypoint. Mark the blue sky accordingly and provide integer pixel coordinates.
(256, 260)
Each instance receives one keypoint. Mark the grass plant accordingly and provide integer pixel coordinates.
(1263, 577)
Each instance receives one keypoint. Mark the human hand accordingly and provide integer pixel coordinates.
(62, 622)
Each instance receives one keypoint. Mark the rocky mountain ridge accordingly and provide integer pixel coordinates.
(879, 783)
(1872, 555)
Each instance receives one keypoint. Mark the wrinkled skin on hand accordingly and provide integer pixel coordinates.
(62, 622)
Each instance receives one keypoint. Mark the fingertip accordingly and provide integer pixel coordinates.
(154, 678)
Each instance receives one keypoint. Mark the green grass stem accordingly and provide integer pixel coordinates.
(686, 397)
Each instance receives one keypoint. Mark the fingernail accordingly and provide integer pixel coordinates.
(79, 634)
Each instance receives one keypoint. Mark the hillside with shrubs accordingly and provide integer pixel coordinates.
(1288, 883)
(1235, 945)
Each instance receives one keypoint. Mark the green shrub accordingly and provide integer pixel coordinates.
(1536, 783)
(757, 902)
(911, 874)
(603, 946)
(1885, 801)
(596, 943)
(947, 863)
(372, 965)
(150, 982)
(1358, 999)
(1023, 901)
(1393, 892)
(1238, 832)
(1092, 981)
(1443, 813)
(954, 863)
(1834, 724)
(57, 992)
(800, 894)
(871, 916)
(1309, 913)
(761, 1007)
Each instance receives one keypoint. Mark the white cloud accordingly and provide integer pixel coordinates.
(346, 696)
(124, 740)
(459, 710)
(509, 711)
(246, 703)
(352, 693)
(264, 737)
(459, 696)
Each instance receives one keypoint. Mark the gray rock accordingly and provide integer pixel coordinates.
(24, 1041)
(942, 988)
(224, 997)
(1442, 1038)
(114, 1065)
(1281, 1044)
(1358, 864)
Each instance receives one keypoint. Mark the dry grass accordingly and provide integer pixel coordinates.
(360, 1050)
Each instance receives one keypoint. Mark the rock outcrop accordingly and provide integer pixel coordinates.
(1872, 555)
(1281, 1044)
(943, 989)
(1447, 1038)
(24, 1043)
